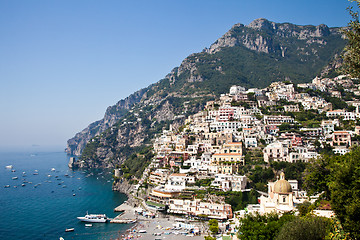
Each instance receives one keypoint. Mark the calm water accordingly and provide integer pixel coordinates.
(44, 208)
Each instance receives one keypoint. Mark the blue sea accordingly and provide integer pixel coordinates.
(50, 201)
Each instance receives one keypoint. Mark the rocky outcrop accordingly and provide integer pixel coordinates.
(261, 34)
(113, 113)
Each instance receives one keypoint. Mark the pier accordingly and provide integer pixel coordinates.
(127, 214)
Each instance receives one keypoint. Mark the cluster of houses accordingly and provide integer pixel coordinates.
(209, 147)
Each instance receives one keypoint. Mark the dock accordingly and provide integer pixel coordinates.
(127, 214)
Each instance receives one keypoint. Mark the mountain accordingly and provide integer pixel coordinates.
(251, 55)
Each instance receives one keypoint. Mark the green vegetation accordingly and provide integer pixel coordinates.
(136, 163)
(264, 227)
(213, 226)
(272, 226)
(204, 182)
(314, 228)
(352, 50)
(339, 178)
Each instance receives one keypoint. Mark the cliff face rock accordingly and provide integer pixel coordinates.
(262, 35)
(76, 144)
(252, 56)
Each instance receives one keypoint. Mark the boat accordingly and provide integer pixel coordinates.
(88, 225)
(14, 178)
(95, 218)
(53, 169)
(9, 166)
(6, 186)
(69, 229)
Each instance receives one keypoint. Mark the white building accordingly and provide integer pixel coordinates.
(178, 181)
(276, 151)
(228, 182)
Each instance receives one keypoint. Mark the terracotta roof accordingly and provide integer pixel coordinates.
(178, 174)
(227, 154)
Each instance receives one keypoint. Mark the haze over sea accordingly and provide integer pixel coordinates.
(44, 208)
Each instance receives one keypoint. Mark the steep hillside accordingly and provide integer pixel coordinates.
(251, 56)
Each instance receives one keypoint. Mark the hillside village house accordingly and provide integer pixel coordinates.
(159, 176)
(229, 159)
(341, 138)
(228, 182)
(341, 113)
(276, 151)
(178, 181)
(162, 195)
(196, 207)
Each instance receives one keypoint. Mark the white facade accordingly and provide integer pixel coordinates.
(250, 142)
(276, 151)
(228, 182)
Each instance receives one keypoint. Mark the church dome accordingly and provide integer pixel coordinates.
(282, 186)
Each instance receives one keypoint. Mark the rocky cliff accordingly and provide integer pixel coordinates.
(252, 56)
(113, 114)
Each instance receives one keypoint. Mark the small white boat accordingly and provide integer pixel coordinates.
(88, 225)
(14, 178)
(9, 166)
(53, 169)
(95, 218)
(142, 231)
(69, 229)
(6, 186)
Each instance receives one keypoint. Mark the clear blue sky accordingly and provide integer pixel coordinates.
(63, 62)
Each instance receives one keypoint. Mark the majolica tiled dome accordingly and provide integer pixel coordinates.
(282, 186)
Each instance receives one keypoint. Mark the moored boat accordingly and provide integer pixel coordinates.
(95, 218)
(69, 229)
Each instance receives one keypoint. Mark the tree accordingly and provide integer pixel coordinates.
(213, 226)
(352, 50)
(264, 227)
(314, 228)
(304, 208)
(339, 177)
(345, 191)
(317, 176)
(209, 238)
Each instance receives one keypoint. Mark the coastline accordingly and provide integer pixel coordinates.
(156, 225)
